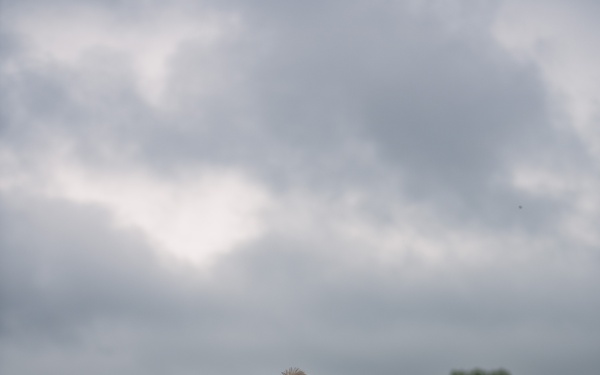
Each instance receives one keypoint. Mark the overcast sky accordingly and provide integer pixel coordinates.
(349, 187)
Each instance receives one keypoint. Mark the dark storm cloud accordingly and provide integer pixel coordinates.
(304, 84)
(413, 106)
(445, 111)
(73, 268)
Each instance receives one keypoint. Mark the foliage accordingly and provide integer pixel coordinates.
(293, 371)
(479, 371)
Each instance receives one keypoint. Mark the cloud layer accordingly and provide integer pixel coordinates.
(350, 188)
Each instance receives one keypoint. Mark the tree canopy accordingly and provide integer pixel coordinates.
(293, 371)
(478, 371)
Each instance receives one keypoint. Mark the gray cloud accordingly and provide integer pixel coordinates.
(99, 299)
(388, 136)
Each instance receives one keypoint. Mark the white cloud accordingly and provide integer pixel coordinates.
(561, 39)
(147, 42)
(193, 214)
